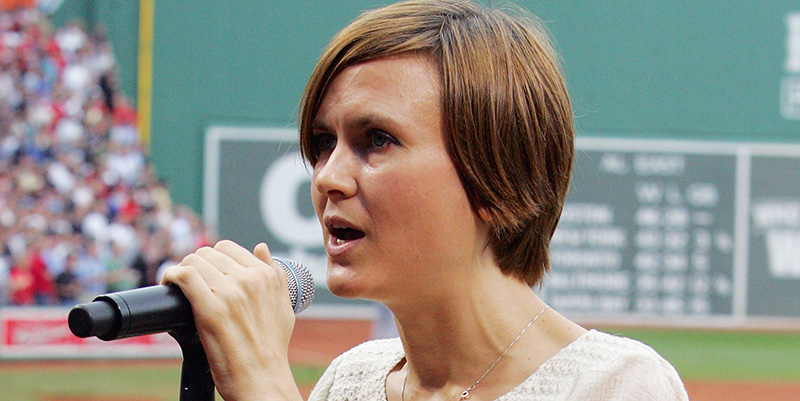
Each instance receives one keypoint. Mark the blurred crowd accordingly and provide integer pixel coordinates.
(82, 210)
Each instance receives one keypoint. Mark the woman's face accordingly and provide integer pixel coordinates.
(395, 217)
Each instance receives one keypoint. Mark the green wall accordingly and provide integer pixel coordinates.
(695, 70)
(684, 69)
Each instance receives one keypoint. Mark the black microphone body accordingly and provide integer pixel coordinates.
(161, 308)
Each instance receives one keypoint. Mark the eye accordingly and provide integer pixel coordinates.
(378, 139)
(322, 143)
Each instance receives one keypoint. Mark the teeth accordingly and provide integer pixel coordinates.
(338, 241)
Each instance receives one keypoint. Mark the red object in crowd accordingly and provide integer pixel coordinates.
(21, 281)
(54, 51)
(123, 113)
(130, 211)
(42, 282)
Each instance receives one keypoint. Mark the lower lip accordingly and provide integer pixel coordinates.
(339, 248)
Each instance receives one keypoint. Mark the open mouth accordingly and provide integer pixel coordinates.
(344, 234)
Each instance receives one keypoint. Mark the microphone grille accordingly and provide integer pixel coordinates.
(301, 284)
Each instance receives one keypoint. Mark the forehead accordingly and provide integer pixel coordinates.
(393, 85)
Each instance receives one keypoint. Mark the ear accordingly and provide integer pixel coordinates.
(486, 217)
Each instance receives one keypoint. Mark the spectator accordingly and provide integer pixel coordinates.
(42, 281)
(151, 255)
(20, 283)
(68, 286)
(5, 273)
(120, 275)
(91, 271)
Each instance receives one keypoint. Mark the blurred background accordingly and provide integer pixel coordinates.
(132, 133)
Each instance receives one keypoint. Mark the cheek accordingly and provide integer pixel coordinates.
(426, 206)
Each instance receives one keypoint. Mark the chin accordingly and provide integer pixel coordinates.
(345, 292)
(342, 282)
(346, 283)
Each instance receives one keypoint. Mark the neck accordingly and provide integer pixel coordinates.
(451, 343)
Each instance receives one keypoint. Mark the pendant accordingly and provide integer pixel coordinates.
(465, 394)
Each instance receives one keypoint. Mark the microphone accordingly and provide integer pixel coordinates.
(161, 308)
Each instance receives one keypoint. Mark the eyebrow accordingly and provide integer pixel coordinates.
(317, 125)
(360, 122)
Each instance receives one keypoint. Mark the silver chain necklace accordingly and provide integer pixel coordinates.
(465, 393)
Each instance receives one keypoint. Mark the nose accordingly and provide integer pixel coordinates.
(334, 175)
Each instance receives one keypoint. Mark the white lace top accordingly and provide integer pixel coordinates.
(596, 366)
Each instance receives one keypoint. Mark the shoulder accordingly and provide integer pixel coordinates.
(613, 367)
(598, 348)
(360, 372)
(600, 366)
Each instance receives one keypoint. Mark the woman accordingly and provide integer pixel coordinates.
(441, 140)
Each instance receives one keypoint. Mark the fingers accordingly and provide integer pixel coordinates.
(261, 251)
(225, 258)
(233, 254)
(227, 268)
(191, 283)
(260, 258)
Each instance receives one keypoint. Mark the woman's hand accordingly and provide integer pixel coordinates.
(244, 318)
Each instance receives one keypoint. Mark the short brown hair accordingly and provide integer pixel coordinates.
(506, 113)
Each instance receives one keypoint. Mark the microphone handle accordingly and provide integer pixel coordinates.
(132, 313)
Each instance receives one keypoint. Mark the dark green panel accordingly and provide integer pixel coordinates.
(647, 230)
(675, 233)
(774, 273)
